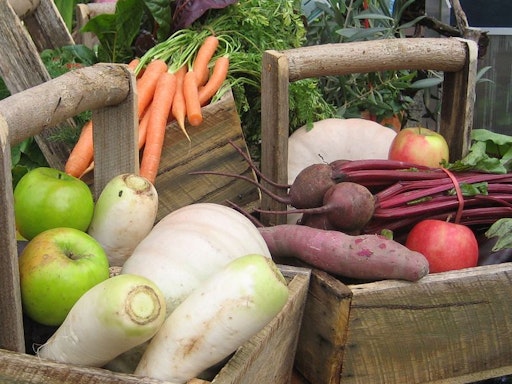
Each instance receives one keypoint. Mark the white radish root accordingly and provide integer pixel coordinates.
(111, 318)
(123, 215)
(215, 319)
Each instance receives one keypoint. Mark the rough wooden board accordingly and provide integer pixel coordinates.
(115, 136)
(11, 322)
(208, 150)
(324, 329)
(448, 327)
(265, 358)
(47, 28)
(458, 102)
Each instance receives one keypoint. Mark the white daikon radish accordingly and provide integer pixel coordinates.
(114, 316)
(215, 319)
(190, 244)
(123, 215)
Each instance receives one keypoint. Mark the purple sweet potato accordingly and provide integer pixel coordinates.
(368, 257)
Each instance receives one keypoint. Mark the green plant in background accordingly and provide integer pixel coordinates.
(382, 94)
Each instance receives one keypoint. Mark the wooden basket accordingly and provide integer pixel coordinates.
(449, 327)
(108, 90)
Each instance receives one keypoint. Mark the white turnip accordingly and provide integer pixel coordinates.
(215, 319)
(111, 318)
(124, 214)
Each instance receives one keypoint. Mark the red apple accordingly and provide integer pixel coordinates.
(420, 146)
(447, 246)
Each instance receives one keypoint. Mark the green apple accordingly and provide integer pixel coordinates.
(47, 198)
(56, 268)
(420, 146)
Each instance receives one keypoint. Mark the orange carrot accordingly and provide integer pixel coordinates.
(190, 93)
(159, 112)
(143, 127)
(146, 84)
(219, 74)
(133, 64)
(203, 57)
(179, 110)
(82, 153)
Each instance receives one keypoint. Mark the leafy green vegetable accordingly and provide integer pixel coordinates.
(489, 152)
(116, 32)
(502, 229)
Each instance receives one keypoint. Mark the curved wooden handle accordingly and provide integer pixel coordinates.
(447, 55)
(66, 96)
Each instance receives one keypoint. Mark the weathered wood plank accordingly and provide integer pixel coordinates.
(323, 333)
(274, 129)
(11, 322)
(458, 102)
(47, 28)
(447, 326)
(115, 135)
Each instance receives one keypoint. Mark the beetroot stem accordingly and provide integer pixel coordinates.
(246, 178)
(255, 168)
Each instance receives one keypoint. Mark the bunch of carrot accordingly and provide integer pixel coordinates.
(165, 92)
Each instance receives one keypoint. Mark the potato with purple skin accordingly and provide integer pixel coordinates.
(368, 257)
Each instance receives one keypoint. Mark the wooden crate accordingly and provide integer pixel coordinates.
(452, 327)
(267, 357)
(108, 90)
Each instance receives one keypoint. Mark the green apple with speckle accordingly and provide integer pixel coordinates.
(56, 268)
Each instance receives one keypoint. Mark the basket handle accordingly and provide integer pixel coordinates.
(457, 58)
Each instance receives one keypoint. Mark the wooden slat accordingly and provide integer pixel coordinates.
(47, 28)
(323, 333)
(274, 128)
(450, 55)
(457, 115)
(11, 322)
(448, 327)
(115, 136)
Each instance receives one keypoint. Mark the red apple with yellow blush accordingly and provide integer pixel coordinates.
(447, 246)
(420, 146)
